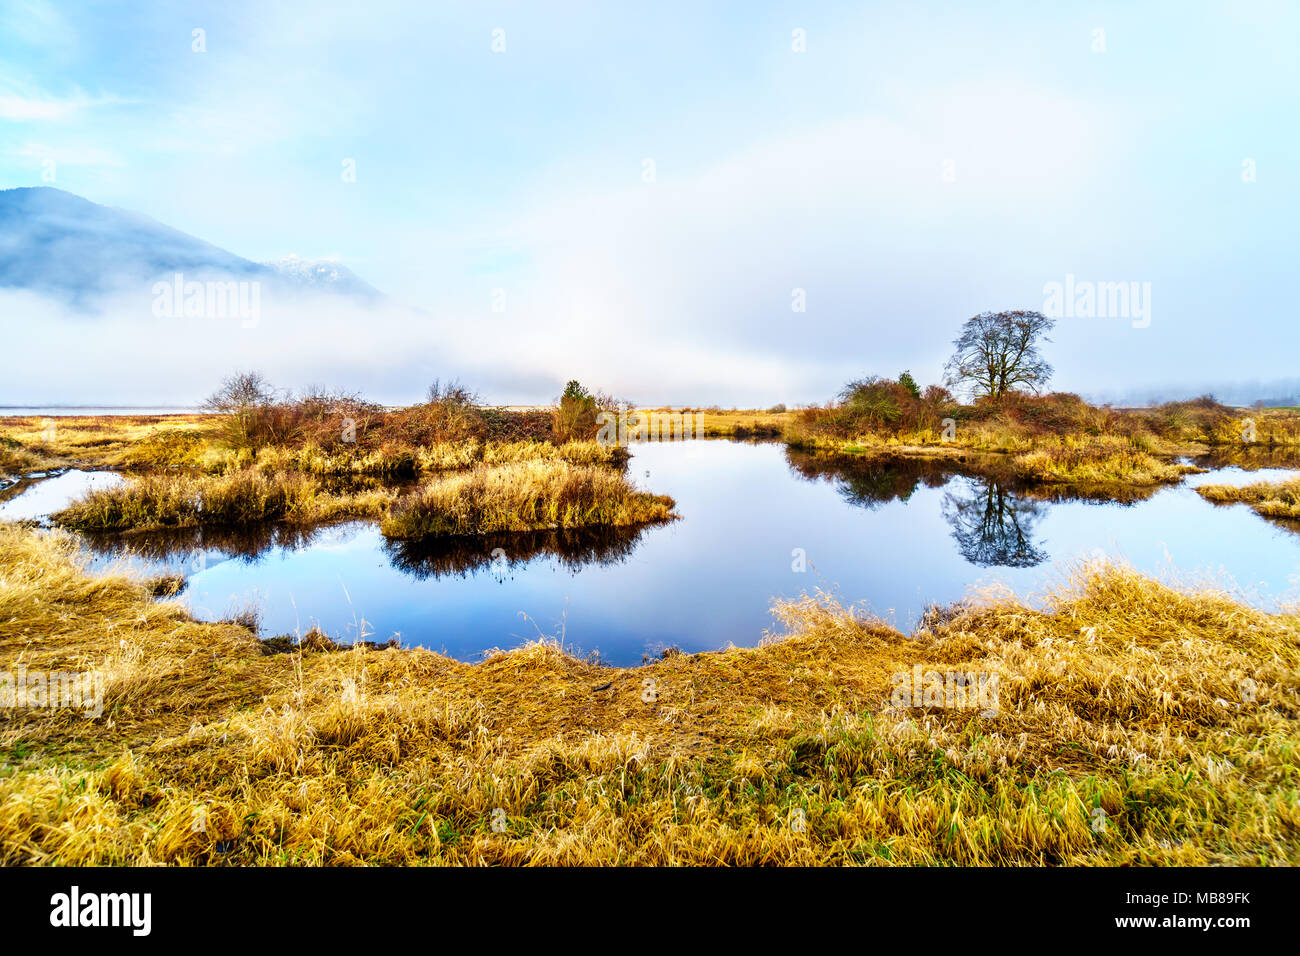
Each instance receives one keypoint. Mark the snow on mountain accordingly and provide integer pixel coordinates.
(322, 274)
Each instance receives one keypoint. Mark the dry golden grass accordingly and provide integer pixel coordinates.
(1098, 460)
(468, 454)
(1168, 718)
(738, 423)
(150, 502)
(534, 495)
(15, 460)
(191, 442)
(409, 460)
(1085, 460)
(1061, 439)
(524, 496)
(103, 441)
(1272, 500)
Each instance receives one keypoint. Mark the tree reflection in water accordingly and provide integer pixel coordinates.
(992, 525)
(869, 483)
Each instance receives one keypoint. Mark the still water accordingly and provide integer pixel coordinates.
(893, 537)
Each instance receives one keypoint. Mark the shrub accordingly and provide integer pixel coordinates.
(245, 403)
(874, 401)
(575, 414)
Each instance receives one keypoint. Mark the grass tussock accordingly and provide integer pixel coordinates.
(1097, 461)
(524, 496)
(529, 495)
(1135, 725)
(1270, 499)
(402, 461)
(16, 459)
(246, 497)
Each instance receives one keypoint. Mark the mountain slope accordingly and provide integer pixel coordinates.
(58, 244)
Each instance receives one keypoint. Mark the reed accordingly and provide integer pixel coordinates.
(1270, 499)
(523, 496)
(400, 460)
(16, 459)
(1099, 460)
(238, 498)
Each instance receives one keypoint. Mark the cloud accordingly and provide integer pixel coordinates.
(37, 23)
(121, 352)
(27, 106)
(69, 155)
(914, 168)
(682, 289)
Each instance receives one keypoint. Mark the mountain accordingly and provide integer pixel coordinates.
(323, 274)
(58, 244)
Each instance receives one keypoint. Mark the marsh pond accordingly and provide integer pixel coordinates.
(758, 522)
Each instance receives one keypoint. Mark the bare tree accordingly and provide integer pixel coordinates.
(997, 351)
(241, 398)
(452, 393)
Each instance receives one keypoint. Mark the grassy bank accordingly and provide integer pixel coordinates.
(1057, 438)
(882, 414)
(739, 423)
(17, 459)
(37, 443)
(325, 456)
(151, 502)
(1097, 461)
(1134, 725)
(389, 444)
(521, 496)
(528, 496)
(405, 461)
(1272, 500)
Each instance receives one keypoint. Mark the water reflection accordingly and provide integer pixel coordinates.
(182, 549)
(992, 526)
(188, 550)
(572, 548)
(992, 519)
(36, 496)
(870, 483)
(1251, 457)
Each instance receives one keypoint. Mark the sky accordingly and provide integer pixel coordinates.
(747, 203)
